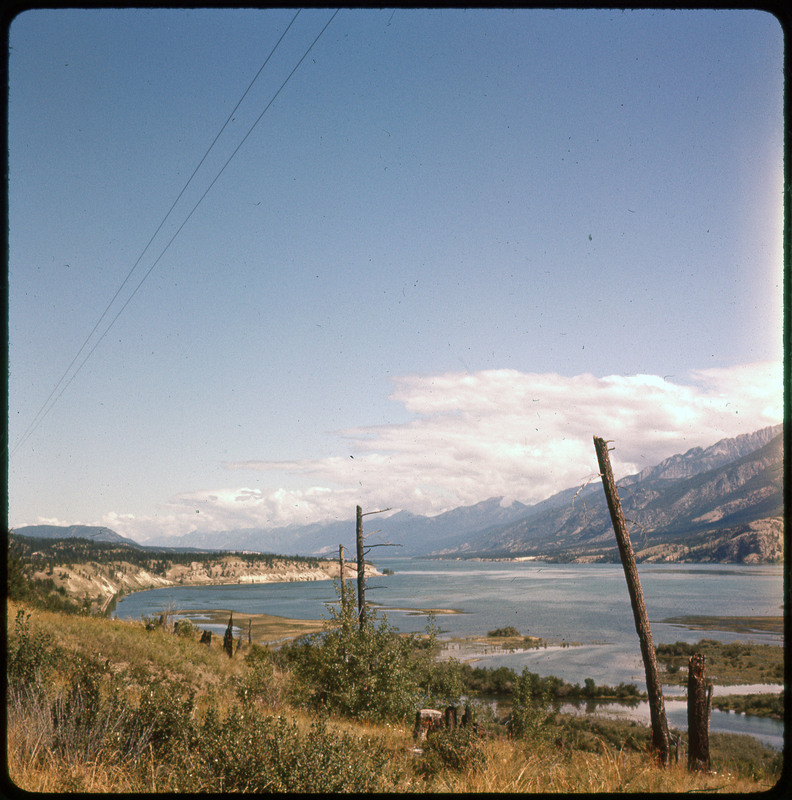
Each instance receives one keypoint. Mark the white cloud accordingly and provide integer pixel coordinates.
(495, 432)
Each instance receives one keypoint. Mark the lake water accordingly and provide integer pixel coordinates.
(586, 606)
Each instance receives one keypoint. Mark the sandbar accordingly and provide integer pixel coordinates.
(735, 624)
(265, 628)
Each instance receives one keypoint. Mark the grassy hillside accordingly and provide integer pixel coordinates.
(103, 705)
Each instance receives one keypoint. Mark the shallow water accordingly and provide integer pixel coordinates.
(768, 731)
(587, 605)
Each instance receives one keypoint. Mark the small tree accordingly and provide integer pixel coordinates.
(366, 672)
(528, 718)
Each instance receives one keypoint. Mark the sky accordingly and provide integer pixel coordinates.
(265, 266)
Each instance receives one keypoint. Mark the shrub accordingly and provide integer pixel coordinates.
(528, 718)
(183, 627)
(369, 671)
(262, 681)
(167, 711)
(88, 720)
(248, 752)
(32, 654)
(459, 749)
(92, 717)
(503, 632)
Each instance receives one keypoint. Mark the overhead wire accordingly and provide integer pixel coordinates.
(42, 413)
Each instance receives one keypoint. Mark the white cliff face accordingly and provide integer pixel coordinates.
(100, 583)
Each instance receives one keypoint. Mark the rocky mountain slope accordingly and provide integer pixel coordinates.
(682, 509)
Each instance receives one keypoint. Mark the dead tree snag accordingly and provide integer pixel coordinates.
(660, 738)
(698, 714)
(228, 639)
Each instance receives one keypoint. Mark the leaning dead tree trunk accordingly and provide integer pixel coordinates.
(698, 713)
(660, 738)
(361, 568)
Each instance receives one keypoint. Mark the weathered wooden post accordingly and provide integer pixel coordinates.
(250, 631)
(361, 568)
(660, 739)
(341, 576)
(698, 714)
(467, 716)
(228, 639)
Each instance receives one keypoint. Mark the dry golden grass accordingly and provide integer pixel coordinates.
(57, 775)
(509, 766)
(127, 644)
(512, 767)
(265, 627)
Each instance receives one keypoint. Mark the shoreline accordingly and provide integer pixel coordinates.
(105, 583)
(264, 628)
(271, 630)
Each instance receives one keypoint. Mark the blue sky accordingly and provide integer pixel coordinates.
(456, 246)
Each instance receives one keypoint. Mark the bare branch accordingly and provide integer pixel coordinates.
(381, 511)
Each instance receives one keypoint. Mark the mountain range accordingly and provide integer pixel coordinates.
(721, 503)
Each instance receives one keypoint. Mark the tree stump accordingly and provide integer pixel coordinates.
(228, 639)
(467, 717)
(427, 719)
(698, 712)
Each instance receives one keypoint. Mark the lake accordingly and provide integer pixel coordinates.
(584, 605)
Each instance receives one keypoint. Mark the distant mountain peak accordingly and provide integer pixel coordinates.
(96, 533)
(688, 507)
(700, 459)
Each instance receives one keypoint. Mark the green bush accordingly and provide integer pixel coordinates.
(92, 717)
(459, 749)
(589, 733)
(32, 654)
(258, 680)
(248, 752)
(183, 627)
(167, 712)
(503, 632)
(528, 718)
(88, 719)
(368, 671)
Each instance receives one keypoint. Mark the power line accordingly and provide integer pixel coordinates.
(42, 413)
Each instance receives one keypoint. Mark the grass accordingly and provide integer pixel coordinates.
(126, 723)
(264, 627)
(727, 664)
(758, 705)
(736, 624)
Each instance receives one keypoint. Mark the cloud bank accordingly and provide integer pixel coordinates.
(477, 435)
